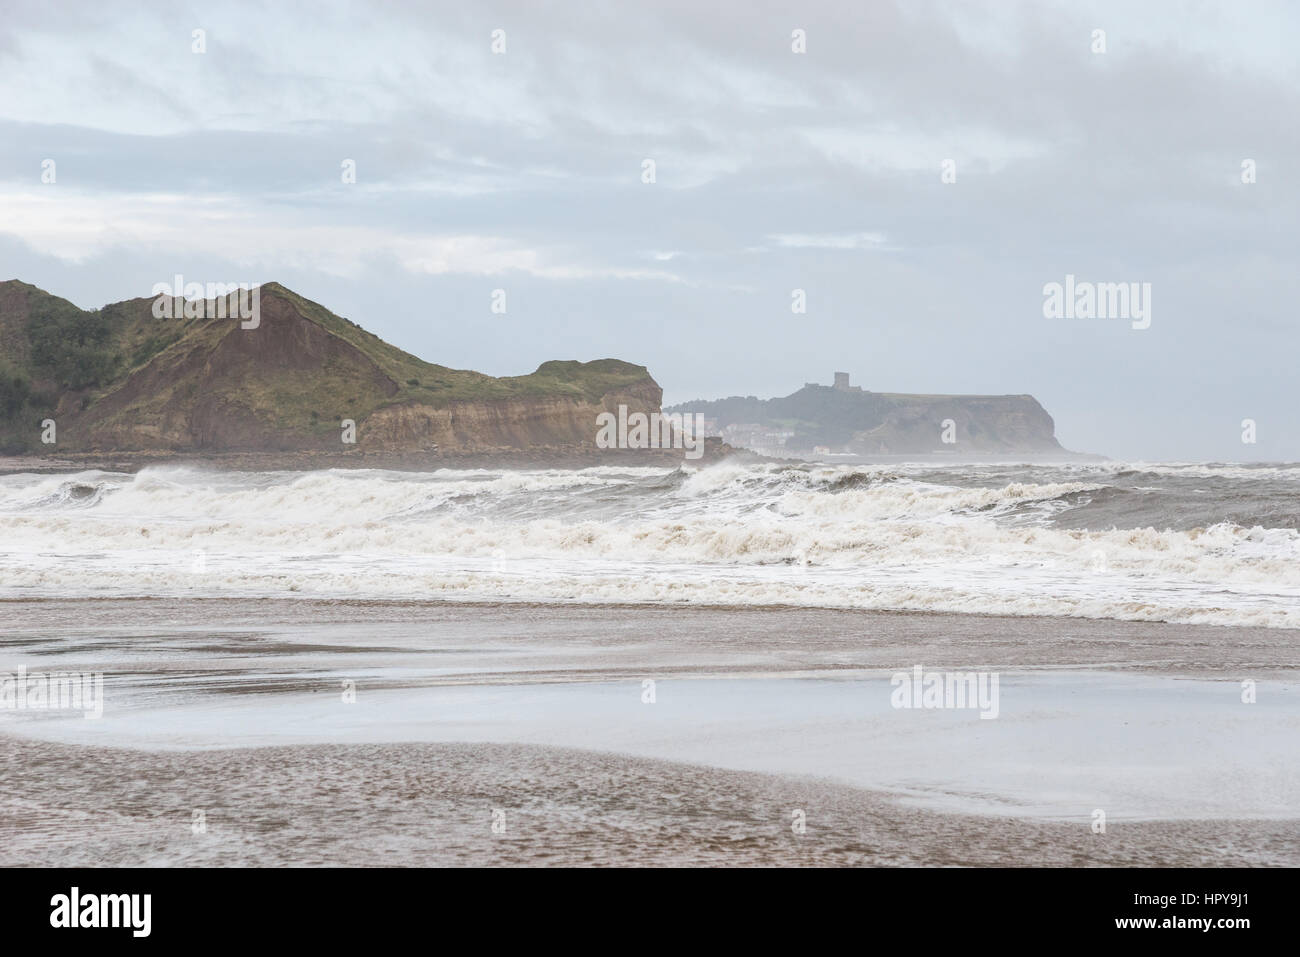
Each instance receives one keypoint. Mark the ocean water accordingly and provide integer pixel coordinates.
(372, 667)
(1193, 543)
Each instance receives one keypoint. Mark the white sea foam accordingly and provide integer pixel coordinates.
(911, 537)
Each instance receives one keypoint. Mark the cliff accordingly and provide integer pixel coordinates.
(122, 379)
(845, 419)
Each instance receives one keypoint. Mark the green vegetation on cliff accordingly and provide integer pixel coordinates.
(119, 378)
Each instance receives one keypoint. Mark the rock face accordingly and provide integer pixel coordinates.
(847, 419)
(979, 423)
(121, 379)
(503, 423)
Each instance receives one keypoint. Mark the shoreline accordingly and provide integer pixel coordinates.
(532, 604)
(558, 458)
(276, 806)
(540, 457)
(848, 638)
(234, 707)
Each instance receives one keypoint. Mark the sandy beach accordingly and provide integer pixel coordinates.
(538, 714)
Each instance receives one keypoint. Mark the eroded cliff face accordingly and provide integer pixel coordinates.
(288, 383)
(510, 423)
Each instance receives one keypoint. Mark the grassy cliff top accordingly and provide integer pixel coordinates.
(121, 368)
(427, 382)
(45, 339)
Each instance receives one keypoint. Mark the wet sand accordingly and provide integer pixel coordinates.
(421, 805)
(580, 640)
(232, 707)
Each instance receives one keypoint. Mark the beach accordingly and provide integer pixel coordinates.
(745, 663)
(238, 709)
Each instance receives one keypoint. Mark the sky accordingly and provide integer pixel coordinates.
(921, 171)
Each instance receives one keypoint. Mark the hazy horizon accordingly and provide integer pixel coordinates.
(522, 169)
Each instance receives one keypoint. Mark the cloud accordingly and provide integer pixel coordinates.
(525, 168)
(830, 240)
(77, 227)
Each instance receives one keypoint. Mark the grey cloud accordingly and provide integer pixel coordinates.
(1114, 167)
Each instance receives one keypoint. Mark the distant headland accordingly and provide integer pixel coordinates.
(844, 419)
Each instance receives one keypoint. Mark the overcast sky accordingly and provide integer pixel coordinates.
(774, 171)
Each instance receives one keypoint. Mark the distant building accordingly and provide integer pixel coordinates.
(763, 439)
(842, 383)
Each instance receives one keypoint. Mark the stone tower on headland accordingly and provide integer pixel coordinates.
(842, 383)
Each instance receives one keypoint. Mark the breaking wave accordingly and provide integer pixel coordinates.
(1139, 542)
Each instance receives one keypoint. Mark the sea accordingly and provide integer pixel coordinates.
(645, 666)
